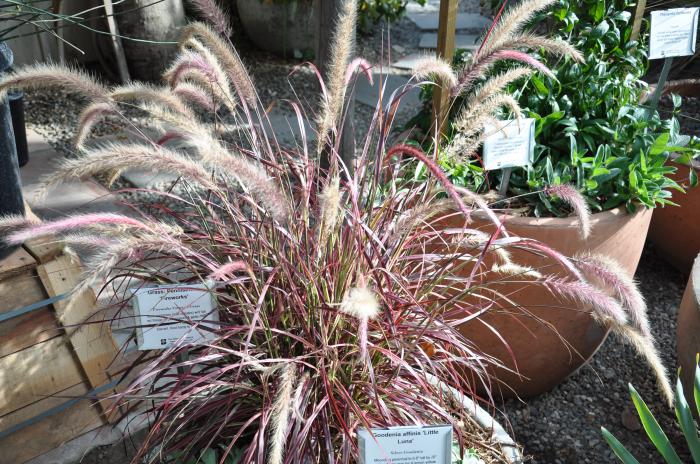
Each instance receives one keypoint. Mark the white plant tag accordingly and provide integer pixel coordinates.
(157, 308)
(673, 32)
(406, 445)
(509, 144)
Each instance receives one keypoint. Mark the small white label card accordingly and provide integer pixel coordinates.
(673, 32)
(159, 310)
(406, 445)
(509, 144)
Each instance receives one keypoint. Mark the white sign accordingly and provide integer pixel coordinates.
(406, 445)
(158, 311)
(510, 143)
(673, 32)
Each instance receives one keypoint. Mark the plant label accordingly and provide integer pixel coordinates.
(406, 445)
(673, 32)
(167, 314)
(509, 144)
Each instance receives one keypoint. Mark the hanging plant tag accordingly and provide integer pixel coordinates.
(509, 144)
(673, 32)
(169, 314)
(406, 445)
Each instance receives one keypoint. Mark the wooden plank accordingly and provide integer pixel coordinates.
(91, 339)
(445, 50)
(20, 290)
(44, 249)
(27, 330)
(50, 433)
(39, 407)
(33, 374)
(16, 262)
(639, 10)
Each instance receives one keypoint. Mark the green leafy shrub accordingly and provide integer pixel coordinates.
(371, 11)
(591, 129)
(656, 434)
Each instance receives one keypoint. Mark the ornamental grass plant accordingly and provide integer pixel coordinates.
(338, 293)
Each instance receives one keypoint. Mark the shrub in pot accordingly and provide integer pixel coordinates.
(592, 133)
(339, 301)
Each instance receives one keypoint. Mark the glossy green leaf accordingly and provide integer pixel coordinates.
(685, 420)
(618, 448)
(653, 430)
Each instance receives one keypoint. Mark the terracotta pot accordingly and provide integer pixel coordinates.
(675, 231)
(550, 338)
(688, 332)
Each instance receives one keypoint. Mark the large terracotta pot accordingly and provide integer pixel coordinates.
(549, 338)
(688, 331)
(675, 230)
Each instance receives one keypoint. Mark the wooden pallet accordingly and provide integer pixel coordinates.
(53, 366)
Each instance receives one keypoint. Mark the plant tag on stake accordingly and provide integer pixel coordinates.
(511, 143)
(157, 309)
(406, 445)
(673, 32)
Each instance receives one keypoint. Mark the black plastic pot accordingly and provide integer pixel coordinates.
(11, 201)
(17, 113)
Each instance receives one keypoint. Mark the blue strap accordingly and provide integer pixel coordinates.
(56, 409)
(32, 307)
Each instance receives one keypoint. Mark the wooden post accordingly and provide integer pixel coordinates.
(446, 50)
(328, 12)
(637, 21)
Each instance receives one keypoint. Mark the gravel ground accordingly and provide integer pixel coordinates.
(562, 426)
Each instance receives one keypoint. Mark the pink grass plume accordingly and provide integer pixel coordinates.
(362, 65)
(570, 195)
(71, 224)
(225, 271)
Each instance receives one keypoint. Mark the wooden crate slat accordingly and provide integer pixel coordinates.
(19, 290)
(33, 374)
(39, 407)
(44, 249)
(16, 262)
(25, 331)
(51, 432)
(91, 339)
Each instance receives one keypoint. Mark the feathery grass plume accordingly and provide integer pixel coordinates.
(361, 303)
(495, 85)
(332, 104)
(329, 209)
(220, 80)
(73, 223)
(431, 66)
(90, 117)
(646, 348)
(227, 56)
(41, 76)
(224, 271)
(119, 156)
(212, 12)
(191, 63)
(571, 196)
(604, 308)
(280, 414)
(511, 23)
(557, 47)
(610, 274)
(146, 92)
(194, 93)
(250, 175)
(15, 221)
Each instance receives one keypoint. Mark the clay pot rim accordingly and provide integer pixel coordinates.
(618, 214)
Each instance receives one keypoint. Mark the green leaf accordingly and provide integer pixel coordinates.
(618, 448)
(685, 420)
(660, 144)
(208, 456)
(696, 385)
(653, 430)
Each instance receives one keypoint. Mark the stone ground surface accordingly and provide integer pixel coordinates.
(559, 427)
